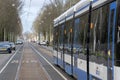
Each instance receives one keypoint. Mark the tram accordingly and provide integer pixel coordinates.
(70, 40)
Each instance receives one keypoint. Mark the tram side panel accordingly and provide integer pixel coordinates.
(101, 47)
(60, 59)
(117, 51)
(117, 73)
(68, 64)
(55, 56)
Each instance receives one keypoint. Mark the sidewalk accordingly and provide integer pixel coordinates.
(48, 48)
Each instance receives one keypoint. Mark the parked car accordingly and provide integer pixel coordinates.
(12, 45)
(43, 43)
(19, 42)
(5, 47)
(37, 42)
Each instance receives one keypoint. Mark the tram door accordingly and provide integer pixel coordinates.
(111, 40)
(61, 47)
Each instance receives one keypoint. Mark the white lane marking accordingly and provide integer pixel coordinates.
(9, 61)
(15, 61)
(33, 61)
(29, 61)
(50, 64)
(49, 77)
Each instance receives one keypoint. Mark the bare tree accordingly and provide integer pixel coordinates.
(10, 22)
(44, 21)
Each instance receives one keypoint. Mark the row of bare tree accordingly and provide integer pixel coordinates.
(44, 21)
(10, 23)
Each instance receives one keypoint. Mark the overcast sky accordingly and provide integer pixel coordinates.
(30, 12)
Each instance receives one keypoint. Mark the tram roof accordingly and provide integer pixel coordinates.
(79, 8)
(71, 10)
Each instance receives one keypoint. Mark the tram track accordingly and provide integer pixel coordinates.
(30, 66)
(46, 58)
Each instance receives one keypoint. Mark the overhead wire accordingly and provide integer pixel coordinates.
(44, 3)
(29, 8)
(28, 12)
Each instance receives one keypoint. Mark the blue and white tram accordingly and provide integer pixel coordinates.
(70, 36)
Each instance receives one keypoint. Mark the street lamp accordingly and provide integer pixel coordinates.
(13, 4)
(88, 37)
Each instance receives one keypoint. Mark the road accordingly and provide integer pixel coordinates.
(9, 70)
(32, 62)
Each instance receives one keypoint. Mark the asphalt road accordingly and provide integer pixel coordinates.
(9, 70)
(32, 62)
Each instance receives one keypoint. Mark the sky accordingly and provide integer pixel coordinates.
(30, 12)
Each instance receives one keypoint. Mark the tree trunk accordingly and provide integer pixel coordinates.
(96, 21)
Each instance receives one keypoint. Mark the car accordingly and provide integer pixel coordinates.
(12, 45)
(37, 42)
(5, 47)
(19, 42)
(43, 43)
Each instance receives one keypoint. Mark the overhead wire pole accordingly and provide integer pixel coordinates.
(88, 38)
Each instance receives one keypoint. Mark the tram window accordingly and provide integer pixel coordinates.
(60, 37)
(61, 32)
(118, 41)
(66, 34)
(82, 33)
(69, 34)
(118, 29)
(99, 35)
(67, 37)
(111, 24)
(76, 31)
(118, 48)
(55, 38)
